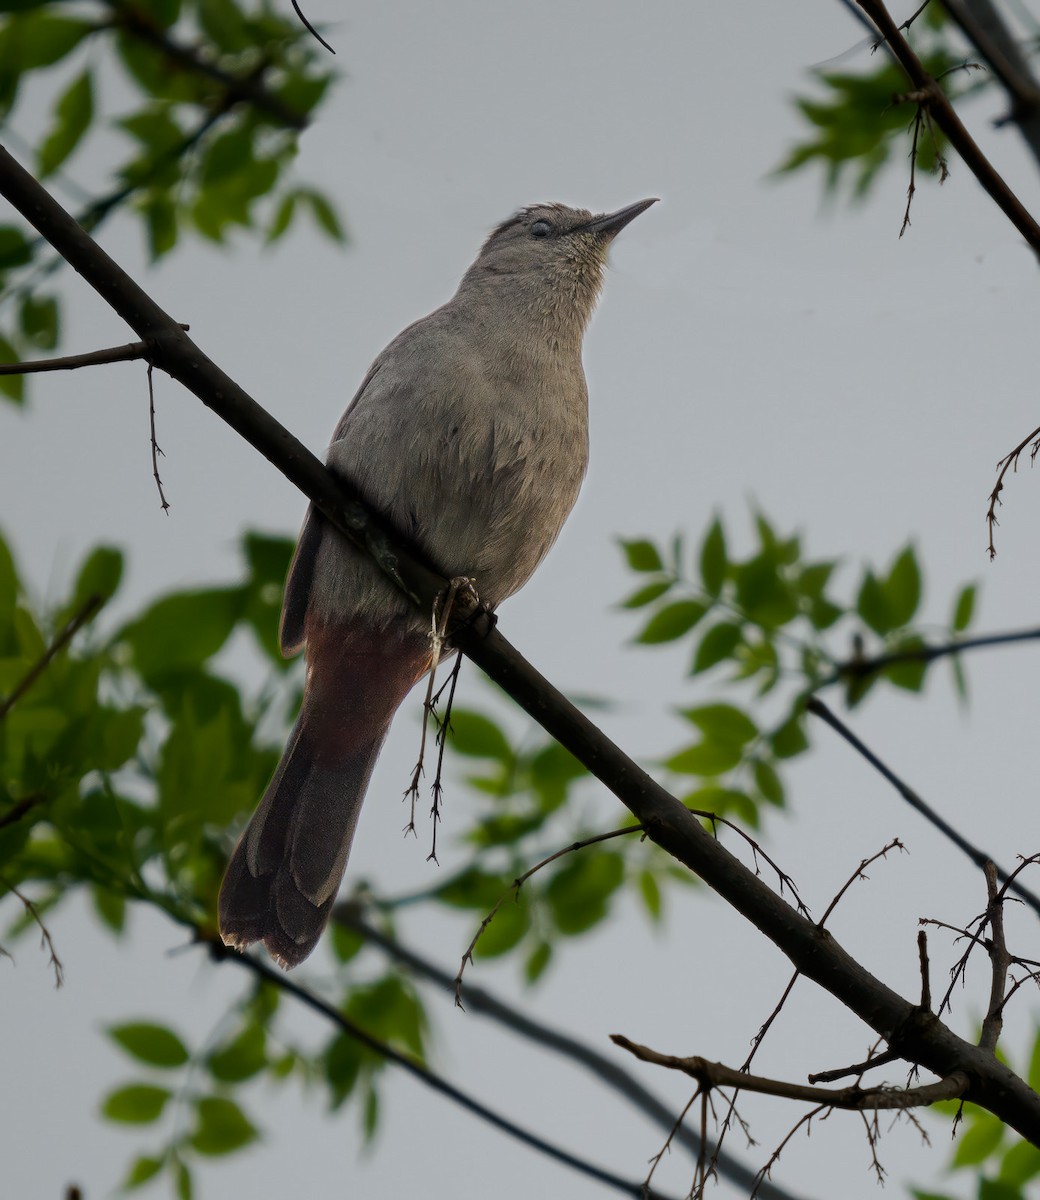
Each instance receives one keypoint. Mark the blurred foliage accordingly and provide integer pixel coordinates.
(126, 757)
(1001, 1165)
(775, 627)
(183, 114)
(858, 119)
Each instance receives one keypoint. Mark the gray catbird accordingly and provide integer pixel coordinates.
(470, 434)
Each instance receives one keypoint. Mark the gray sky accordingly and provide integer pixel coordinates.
(750, 345)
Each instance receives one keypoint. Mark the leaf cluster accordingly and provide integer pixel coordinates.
(772, 622)
(859, 121)
(221, 91)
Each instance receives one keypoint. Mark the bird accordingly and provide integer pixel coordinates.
(469, 435)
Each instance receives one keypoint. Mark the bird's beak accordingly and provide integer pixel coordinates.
(611, 224)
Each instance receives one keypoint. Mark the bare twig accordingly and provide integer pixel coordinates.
(75, 623)
(46, 941)
(71, 362)
(717, 1075)
(1008, 462)
(309, 27)
(156, 448)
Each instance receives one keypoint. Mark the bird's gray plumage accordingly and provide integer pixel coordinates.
(470, 433)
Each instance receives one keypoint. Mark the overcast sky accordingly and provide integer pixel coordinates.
(751, 345)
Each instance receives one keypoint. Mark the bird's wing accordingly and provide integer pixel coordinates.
(298, 582)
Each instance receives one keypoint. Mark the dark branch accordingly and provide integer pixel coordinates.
(342, 1022)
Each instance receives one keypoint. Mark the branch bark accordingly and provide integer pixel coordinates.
(916, 1035)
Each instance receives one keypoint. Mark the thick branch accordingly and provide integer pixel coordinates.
(984, 27)
(919, 1037)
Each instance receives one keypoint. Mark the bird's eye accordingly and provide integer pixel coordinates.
(541, 228)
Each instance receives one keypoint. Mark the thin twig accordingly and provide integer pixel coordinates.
(1008, 462)
(309, 27)
(46, 941)
(156, 448)
(131, 352)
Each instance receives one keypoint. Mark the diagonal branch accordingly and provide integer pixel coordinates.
(606, 1070)
(416, 1069)
(918, 1037)
(945, 116)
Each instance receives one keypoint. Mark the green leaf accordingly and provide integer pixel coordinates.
(722, 723)
(509, 926)
(671, 622)
(537, 961)
(222, 1126)
(100, 575)
(978, 1141)
(477, 736)
(642, 555)
(185, 1189)
(650, 890)
(768, 782)
(324, 215)
(160, 215)
(717, 644)
(241, 1058)
(790, 738)
(15, 251)
(38, 317)
(72, 117)
(183, 629)
(872, 604)
(1021, 1163)
(705, 758)
(902, 588)
(713, 559)
(141, 1171)
(579, 892)
(910, 674)
(342, 1063)
(135, 1104)
(964, 608)
(12, 386)
(149, 1043)
(40, 39)
(283, 217)
(648, 594)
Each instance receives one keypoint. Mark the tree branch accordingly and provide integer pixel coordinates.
(480, 1001)
(717, 1075)
(285, 984)
(918, 1037)
(945, 116)
(72, 627)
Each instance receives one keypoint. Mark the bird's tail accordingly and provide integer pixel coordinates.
(282, 880)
